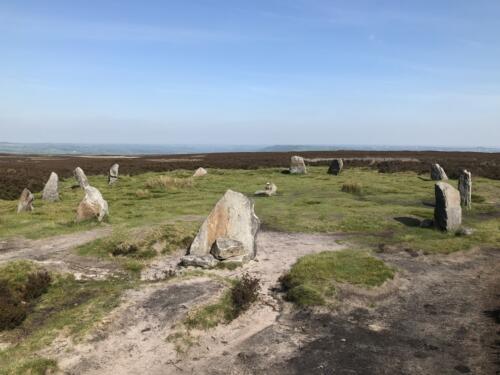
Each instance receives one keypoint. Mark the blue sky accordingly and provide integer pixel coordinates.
(251, 72)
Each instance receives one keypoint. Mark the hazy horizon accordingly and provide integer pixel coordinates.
(275, 72)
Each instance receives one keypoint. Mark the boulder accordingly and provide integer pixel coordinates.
(92, 206)
(232, 217)
(51, 190)
(25, 201)
(438, 173)
(297, 165)
(224, 248)
(113, 174)
(80, 177)
(447, 212)
(269, 190)
(203, 261)
(200, 172)
(465, 188)
(336, 167)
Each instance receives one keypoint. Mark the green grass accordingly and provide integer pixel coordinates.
(312, 279)
(307, 203)
(211, 315)
(32, 366)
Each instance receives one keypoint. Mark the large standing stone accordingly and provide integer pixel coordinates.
(25, 201)
(447, 212)
(80, 177)
(336, 167)
(269, 190)
(113, 174)
(51, 190)
(233, 217)
(92, 206)
(297, 165)
(465, 188)
(438, 173)
(200, 172)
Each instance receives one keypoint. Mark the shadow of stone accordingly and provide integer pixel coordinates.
(408, 221)
(429, 203)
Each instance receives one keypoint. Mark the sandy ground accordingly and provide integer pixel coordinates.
(439, 316)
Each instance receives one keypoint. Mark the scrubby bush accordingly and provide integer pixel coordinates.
(142, 193)
(352, 188)
(12, 310)
(243, 293)
(168, 182)
(37, 284)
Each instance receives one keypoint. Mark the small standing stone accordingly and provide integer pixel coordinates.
(200, 172)
(51, 190)
(113, 174)
(25, 201)
(447, 212)
(80, 177)
(336, 167)
(297, 165)
(92, 206)
(465, 188)
(438, 173)
(269, 190)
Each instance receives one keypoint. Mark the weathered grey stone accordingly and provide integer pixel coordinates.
(25, 201)
(92, 206)
(203, 261)
(438, 173)
(447, 212)
(336, 167)
(463, 231)
(200, 172)
(113, 174)
(269, 190)
(51, 190)
(224, 248)
(465, 188)
(80, 177)
(297, 165)
(232, 217)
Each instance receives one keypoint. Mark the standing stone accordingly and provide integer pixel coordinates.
(200, 172)
(336, 167)
(447, 212)
(51, 190)
(113, 174)
(80, 177)
(465, 188)
(233, 217)
(25, 201)
(438, 173)
(92, 206)
(297, 165)
(269, 190)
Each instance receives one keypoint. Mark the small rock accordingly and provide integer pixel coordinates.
(203, 261)
(269, 190)
(200, 172)
(224, 248)
(463, 231)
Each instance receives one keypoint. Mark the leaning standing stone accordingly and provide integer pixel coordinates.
(438, 173)
(233, 217)
(465, 188)
(51, 190)
(25, 201)
(447, 212)
(92, 206)
(336, 167)
(80, 177)
(297, 165)
(113, 174)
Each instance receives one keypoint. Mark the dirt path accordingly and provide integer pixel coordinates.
(55, 253)
(133, 338)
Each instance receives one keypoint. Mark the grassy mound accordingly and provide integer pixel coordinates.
(312, 279)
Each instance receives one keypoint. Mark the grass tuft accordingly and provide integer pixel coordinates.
(312, 279)
(168, 182)
(352, 188)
